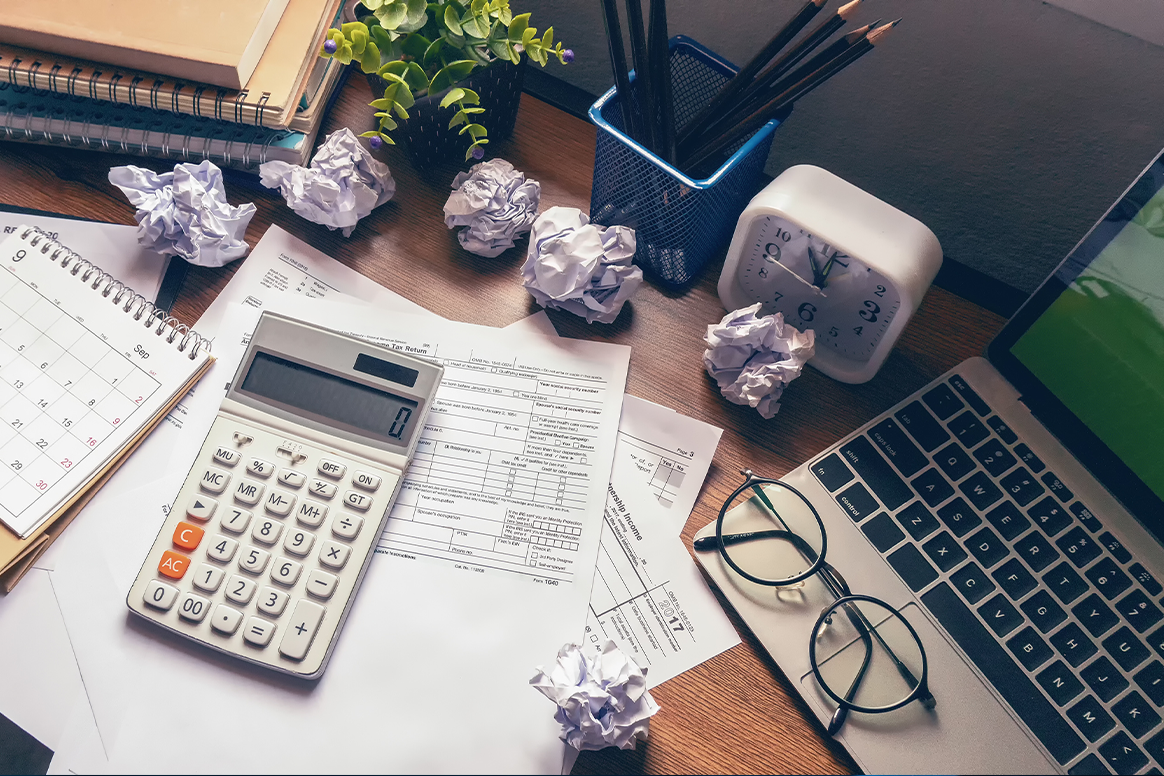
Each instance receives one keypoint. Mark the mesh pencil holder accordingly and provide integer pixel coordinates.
(680, 223)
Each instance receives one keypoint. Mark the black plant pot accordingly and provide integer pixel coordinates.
(426, 134)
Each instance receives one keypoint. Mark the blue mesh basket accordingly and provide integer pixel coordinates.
(680, 223)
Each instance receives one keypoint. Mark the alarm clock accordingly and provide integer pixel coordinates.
(834, 259)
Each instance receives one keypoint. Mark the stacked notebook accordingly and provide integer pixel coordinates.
(174, 111)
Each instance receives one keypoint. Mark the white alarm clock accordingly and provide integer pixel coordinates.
(834, 259)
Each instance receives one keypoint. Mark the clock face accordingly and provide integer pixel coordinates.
(847, 304)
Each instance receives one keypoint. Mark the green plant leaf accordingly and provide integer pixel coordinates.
(453, 95)
(372, 5)
(517, 27)
(380, 37)
(415, 77)
(479, 7)
(384, 103)
(417, 11)
(473, 130)
(528, 37)
(450, 74)
(473, 110)
(404, 96)
(370, 61)
(500, 49)
(415, 44)
(395, 67)
(471, 97)
(548, 37)
(392, 14)
(400, 111)
(455, 40)
(460, 117)
(432, 53)
(387, 122)
(451, 21)
(349, 27)
(506, 16)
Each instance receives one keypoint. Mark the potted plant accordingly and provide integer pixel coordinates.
(440, 66)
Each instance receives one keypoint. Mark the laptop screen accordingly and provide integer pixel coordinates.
(1087, 350)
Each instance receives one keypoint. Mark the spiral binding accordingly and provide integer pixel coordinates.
(118, 293)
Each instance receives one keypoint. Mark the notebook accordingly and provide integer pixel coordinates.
(269, 99)
(1013, 512)
(87, 368)
(213, 41)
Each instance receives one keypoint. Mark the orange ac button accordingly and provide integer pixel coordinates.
(187, 535)
(173, 565)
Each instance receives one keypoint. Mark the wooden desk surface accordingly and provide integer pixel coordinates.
(736, 713)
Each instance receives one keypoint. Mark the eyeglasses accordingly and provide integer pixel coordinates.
(865, 655)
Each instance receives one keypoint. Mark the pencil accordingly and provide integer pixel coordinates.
(744, 77)
(764, 114)
(618, 63)
(643, 83)
(660, 56)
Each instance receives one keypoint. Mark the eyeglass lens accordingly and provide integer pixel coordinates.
(771, 533)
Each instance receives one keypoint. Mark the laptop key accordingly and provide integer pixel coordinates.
(1108, 578)
(968, 429)
(1030, 459)
(883, 532)
(1095, 615)
(954, 461)
(1008, 520)
(1090, 521)
(1003, 673)
(1104, 679)
(1022, 486)
(1073, 644)
(1138, 717)
(970, 395)
(1091, 718)
(1078, 547)
(1049, 516)
(1127, 650)
(1029, 648)
(1000, 615)
(913, 569)
(1014, 578)
(1042, 610)
(1122, 754)
(932, 487)
(918, 520)
(920, 424)
(1145, 578)
(1059, 683)
(1004, 432)
(944, 551)
(1056, 486)
(981, 490)
(1089, 766)
(878, 475)
(857, 502)
(972, 582)
(942, 401)
(897, 447)
(832, 472)
(959, 517)
(987, 547)
(1139, 611)
(1150, 679)
(1065, 583)
(994, 457)
(1035, 550)
(1115, 547)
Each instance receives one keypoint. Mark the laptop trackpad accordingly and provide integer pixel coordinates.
(952, 738)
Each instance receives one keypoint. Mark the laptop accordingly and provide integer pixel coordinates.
(1013, 512)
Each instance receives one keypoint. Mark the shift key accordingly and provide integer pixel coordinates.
(877, 473)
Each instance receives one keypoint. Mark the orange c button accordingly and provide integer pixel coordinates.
(187, 536)
(173, 565)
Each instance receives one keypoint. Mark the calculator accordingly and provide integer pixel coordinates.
(266, 544)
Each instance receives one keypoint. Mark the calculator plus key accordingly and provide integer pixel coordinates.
(301, 628)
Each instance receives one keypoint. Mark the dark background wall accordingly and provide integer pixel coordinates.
(1006, 126)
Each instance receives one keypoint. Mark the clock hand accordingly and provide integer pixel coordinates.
(811, 286)
(816, 277)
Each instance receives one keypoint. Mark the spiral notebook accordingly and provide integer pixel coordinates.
(87, 368)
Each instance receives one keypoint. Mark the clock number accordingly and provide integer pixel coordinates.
(870, 311)
(857, 330)
(834, 331)
(806, 312)
(880, 291)
(763, 272)
(776, 296)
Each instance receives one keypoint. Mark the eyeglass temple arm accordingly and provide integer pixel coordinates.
(842, 712)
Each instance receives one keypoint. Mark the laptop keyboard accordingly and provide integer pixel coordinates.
(1052, 609)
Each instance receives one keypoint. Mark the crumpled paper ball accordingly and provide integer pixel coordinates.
(185, 212)
(601, 694)
(753, 359)
(580, 267)
(497, 204)
(343, 183)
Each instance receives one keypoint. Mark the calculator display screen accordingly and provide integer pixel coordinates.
(357, 406)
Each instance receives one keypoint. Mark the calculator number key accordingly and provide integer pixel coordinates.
(207, 577)
(225, 619)
(332, 469)
(311, 513)
(292, 478)
(237, 521)
(285, 571)
(214, 480)
(272, 602)
(260, 468)
(279, 503)
(301, 629)
(322, 489)
(226, 456)
(240, 589)
(259, 631)
(193, 607)
(267, 531)
(347, 526)
(162, 596)
(221, 549)
(321, 584)
(298, 542)
(334, 554)
(253, 560)
(357, 500)
(173, 564)
(248, 492)
(201, 508)
(369, 482)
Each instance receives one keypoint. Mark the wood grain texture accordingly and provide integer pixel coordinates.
(736, 713)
